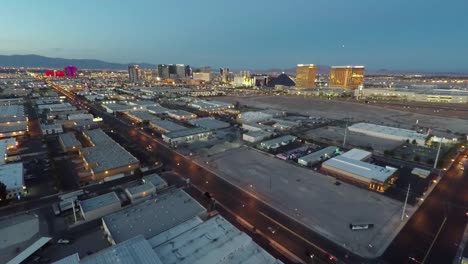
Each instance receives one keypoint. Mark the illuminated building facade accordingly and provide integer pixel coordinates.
(305, 76)
(346, 77)
(70, 70)
(134, 73)
(163, 71)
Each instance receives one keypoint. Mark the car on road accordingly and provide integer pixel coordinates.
(63, 241)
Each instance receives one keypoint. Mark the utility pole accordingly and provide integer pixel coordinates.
(345, 134)
(438, 152)
(74, 213)
(406, 201)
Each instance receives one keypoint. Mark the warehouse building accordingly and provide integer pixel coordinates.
(68, 142)
(278, 142)
(421, 173)
(372, 176)
(209, 123)
(140, 192)
(152, 217)
(318, 156)
(391, 133)
(141, 116)
(98, 160)
(187, 136)
(181, 115)
(214, 241)
(8, 150)
(100, 206)
(13, 122)
(165, 126)
(156, 180)
(210, 106)
(256, 136)
(158, 110)
(414, 95)
(357, 154)
(51, 129)
(13, 177)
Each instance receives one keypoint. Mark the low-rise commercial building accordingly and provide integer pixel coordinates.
(165, 126)
(182, 115)
(51, 129)
(100, 206)
(187, 136)
(414, 95)
(392, 133)
(210, 106)
(209, 123)
(421, 173)
(141, 191)
(318, 156)
(256, 136)
(357, 154)
(13, 121)
(106, 157)
(8, 149)
(372, 176)
(12, 176)
(214, 241)
(158, 110)
(156, 180)
(152, 217)
(68, 142)
(278, 142)
(142, 116)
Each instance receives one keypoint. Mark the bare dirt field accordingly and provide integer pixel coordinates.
(341, 109)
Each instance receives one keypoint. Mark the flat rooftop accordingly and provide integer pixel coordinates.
(11, 110)
(11, 175)
(144, 116)
(147, 187)
(323, 207)
(356, 154)
(135, 250)
(69, 140)
(209, 123)
(153, 217)
(181, 113)
(168, 125)
(187, 132)
(360, 168)
(278, 140)
(156, 180)
(158, 109)
(99, 201)
(317, 155)
(214, 241)
(400, 132)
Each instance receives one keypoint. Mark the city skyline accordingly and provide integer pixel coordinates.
(390, 35)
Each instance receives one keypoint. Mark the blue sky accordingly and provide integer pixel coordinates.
(428, 35)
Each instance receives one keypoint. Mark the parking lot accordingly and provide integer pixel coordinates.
(308, 197)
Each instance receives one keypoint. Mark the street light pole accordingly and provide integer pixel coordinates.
(406, 201)
(438, 152)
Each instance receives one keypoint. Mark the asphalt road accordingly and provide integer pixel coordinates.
(449, 199)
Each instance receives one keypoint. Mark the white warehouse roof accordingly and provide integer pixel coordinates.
(392, 133)
(357, 154)
(359, 168)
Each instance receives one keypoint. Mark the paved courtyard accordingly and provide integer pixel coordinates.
(314, 199)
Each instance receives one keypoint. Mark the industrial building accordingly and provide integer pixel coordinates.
(142, 116)
(357, 154)
(51, 129)
(317, 156)
(421, 173)
(182, 115)
(98, 160)
(141, 191)
(256, 136)
(258, 116)
(210, 106)
(114, 107)
(158, 110)
(305, 76)
(372, 176)
(214, 241)
(100, 206)
(277, 142)
(209, 123)
(414, 95)
(13, 121)
(12, 176)
(187, 135)
(156, 180)
(346, 77)
(152, 217)
(165, 126)
(392, 133)
(8, 149)
(68, 142)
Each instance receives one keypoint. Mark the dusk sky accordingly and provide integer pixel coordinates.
(426, 35)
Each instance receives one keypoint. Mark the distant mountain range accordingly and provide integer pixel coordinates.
(38, 61)
(46, 62)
